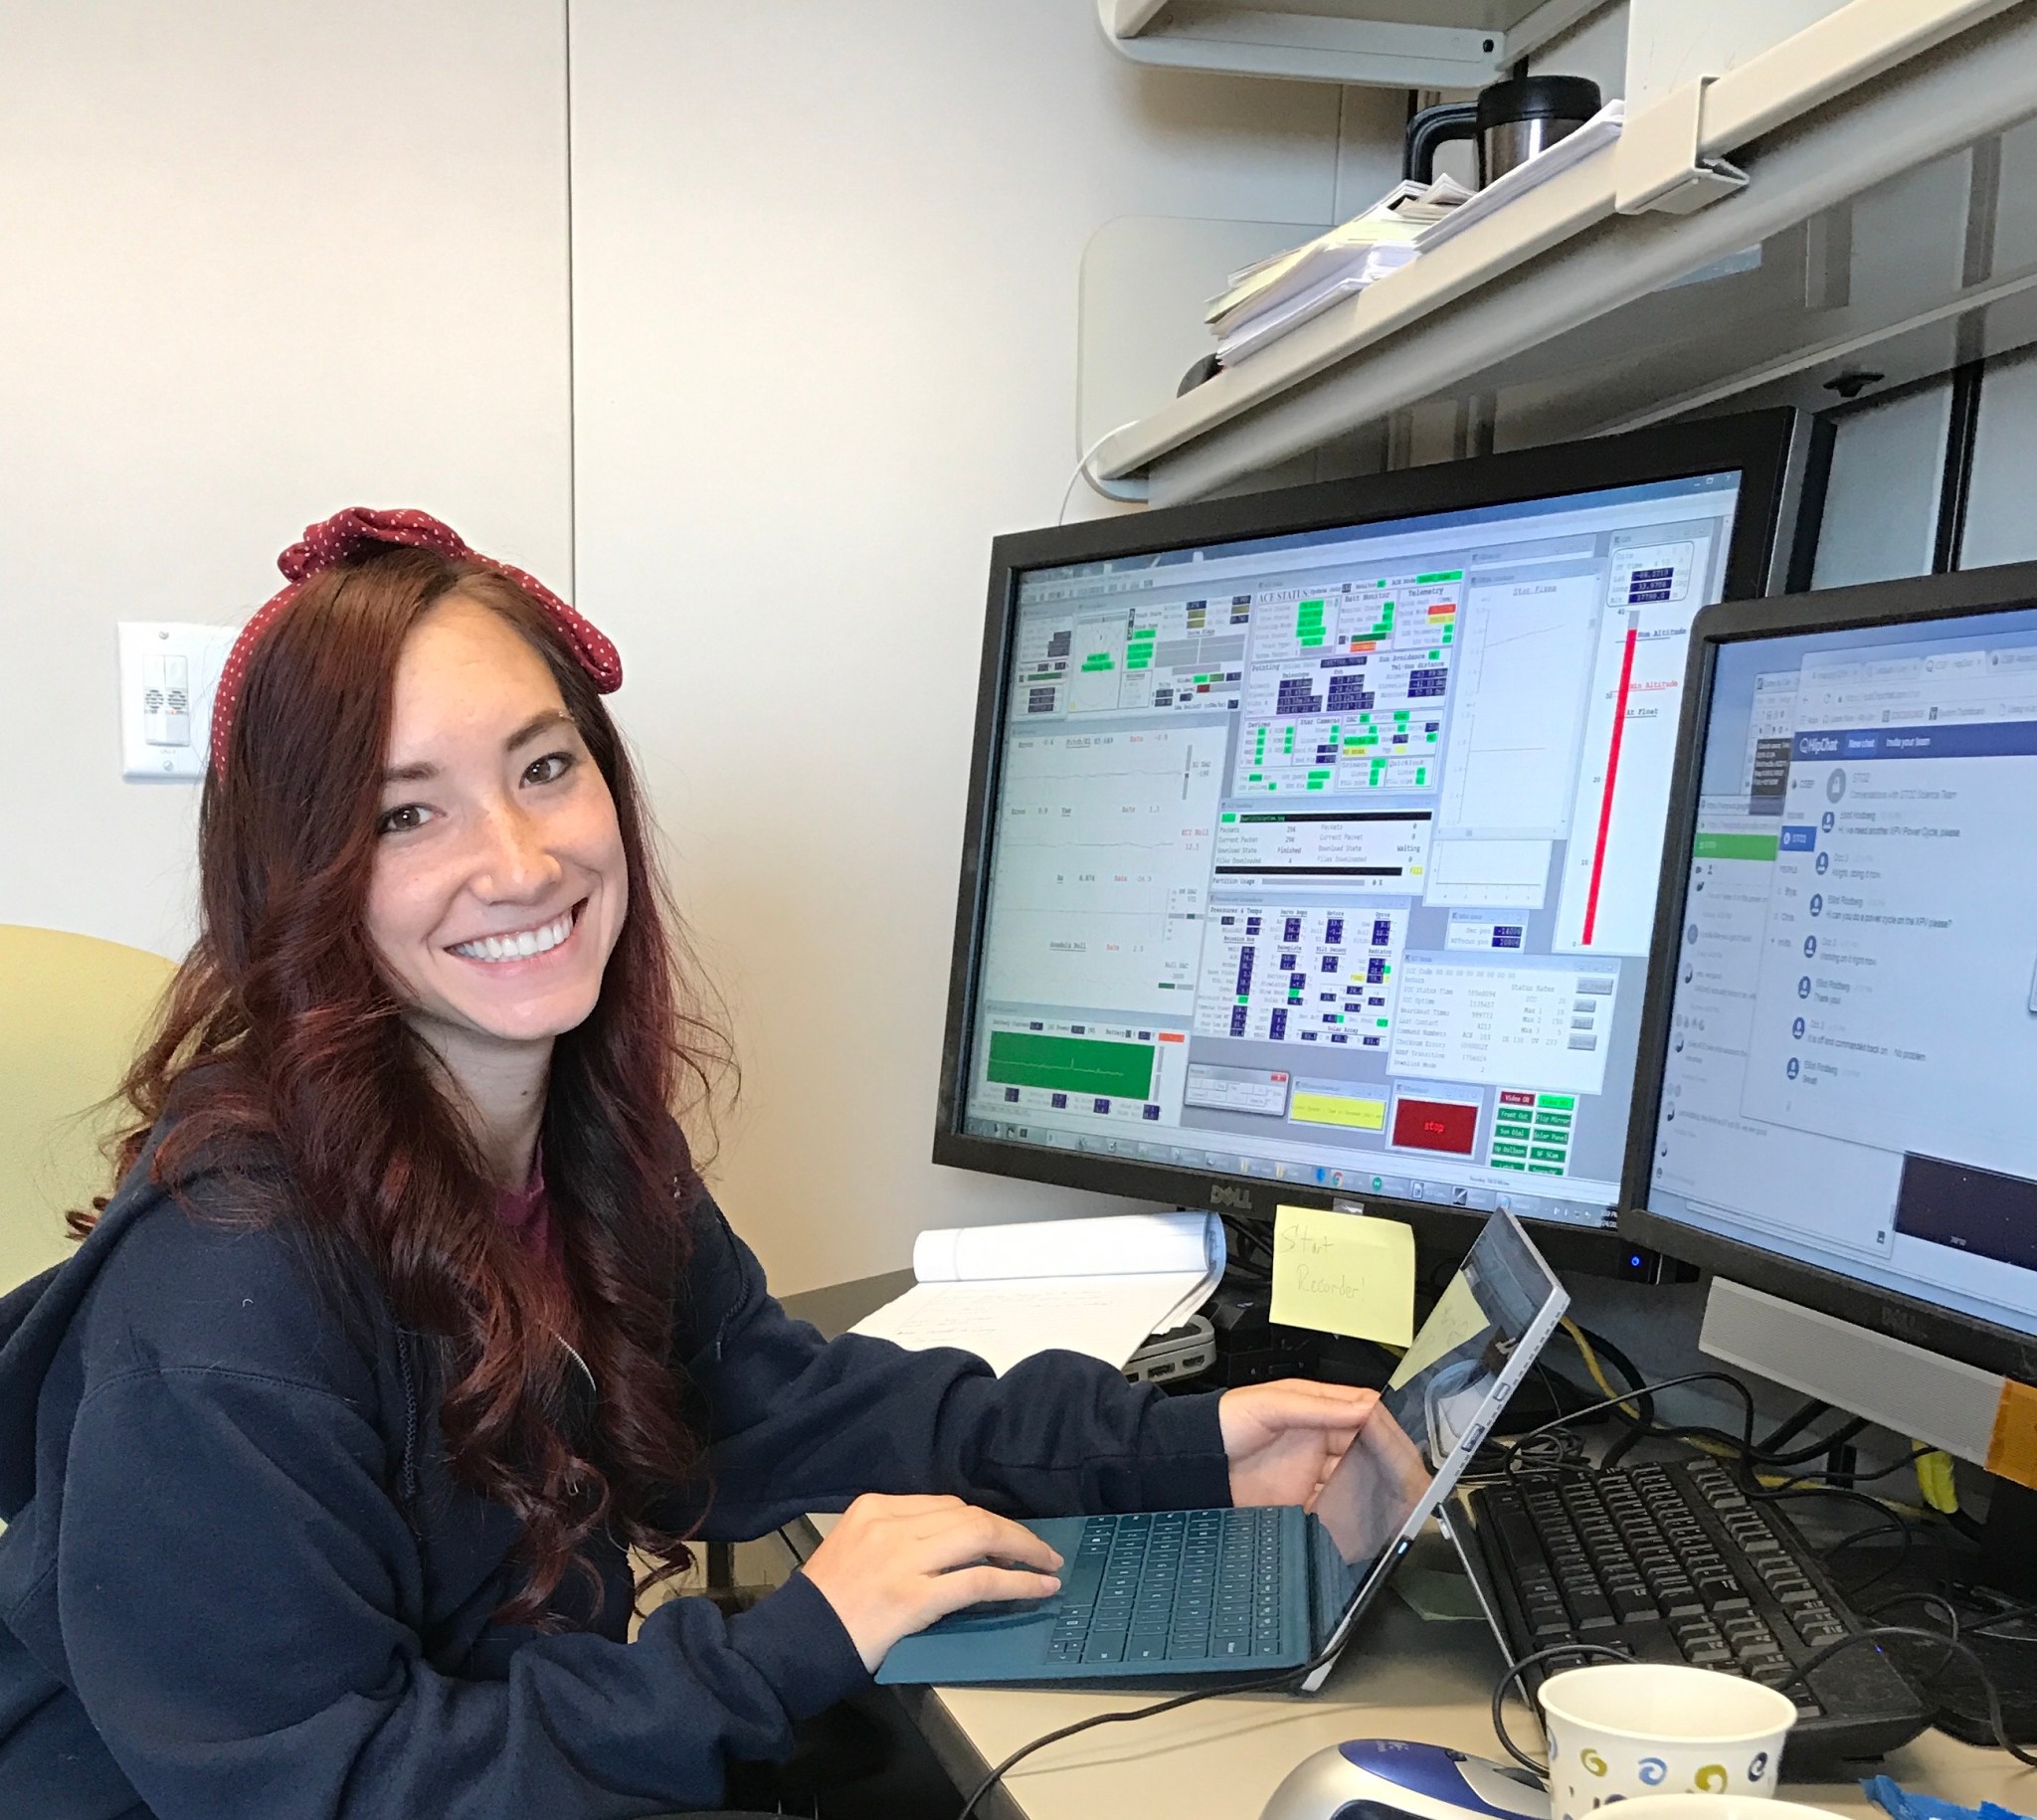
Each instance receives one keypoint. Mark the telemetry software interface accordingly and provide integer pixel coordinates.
(1331, 859)
(1853, 1035)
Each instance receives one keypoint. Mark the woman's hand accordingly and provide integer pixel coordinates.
(1284, 1439)
(892, 1566)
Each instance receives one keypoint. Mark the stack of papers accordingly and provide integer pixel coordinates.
(1599, 132)
(1095, 1286)
(1277, 294)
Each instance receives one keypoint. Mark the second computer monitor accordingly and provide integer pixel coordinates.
(1834, 1097)
(1316, 855)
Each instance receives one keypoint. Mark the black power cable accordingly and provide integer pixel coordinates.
(1286, 1678)
(1746, 1442)
(1516, 1670)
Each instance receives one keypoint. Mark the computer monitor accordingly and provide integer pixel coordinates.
(1834, 1100)
(1313, 836)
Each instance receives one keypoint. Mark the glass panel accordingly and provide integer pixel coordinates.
(1881, 509)
(2001, 524)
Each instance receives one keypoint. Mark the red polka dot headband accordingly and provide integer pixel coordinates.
(359, 532)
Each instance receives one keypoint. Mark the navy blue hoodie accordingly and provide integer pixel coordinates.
(238, 1582)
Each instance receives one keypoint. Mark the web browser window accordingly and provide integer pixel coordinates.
(1854, 1029)
(1331, 859)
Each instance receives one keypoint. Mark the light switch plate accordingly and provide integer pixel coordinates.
(169, 673)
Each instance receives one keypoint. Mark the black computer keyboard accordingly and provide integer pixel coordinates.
(1171, 1586)
(1676, 1563)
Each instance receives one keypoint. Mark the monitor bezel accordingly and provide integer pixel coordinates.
(1756, 445)
(1907, 601)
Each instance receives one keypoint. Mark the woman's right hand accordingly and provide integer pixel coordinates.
(892, 1566)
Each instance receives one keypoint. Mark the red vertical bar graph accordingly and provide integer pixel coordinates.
(1619, 727)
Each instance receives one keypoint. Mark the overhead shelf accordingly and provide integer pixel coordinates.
(1874, 90)
(1401, 44)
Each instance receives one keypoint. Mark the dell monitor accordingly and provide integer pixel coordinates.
(1313, 836)
(1834, 1099)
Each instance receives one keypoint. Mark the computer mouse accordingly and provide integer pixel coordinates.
(1375, 1778)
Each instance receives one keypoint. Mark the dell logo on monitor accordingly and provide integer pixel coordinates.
(1238, 1200)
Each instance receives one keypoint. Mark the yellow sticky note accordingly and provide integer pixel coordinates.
(1344, 1273)
(1455, 1318)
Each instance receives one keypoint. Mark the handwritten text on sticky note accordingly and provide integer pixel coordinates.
(1344, 1273)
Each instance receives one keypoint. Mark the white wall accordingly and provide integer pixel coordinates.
(267, 258)
(826, 276)
(262, 259)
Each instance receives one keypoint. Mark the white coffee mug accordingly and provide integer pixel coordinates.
(1618, 1730)
(1720, 1807)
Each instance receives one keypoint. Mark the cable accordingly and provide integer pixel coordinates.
(1626, 1367)
(1951, 1610)
(1260, 1685)
(1639, 1391)
(1249, 1251)
(1639, 1410)
(1782, 1494)
(1810, 1450)
(1082, 470)
(1840, 1481)
(1894, 1523)
(1805, 1413)
(1998, 1609)
(1516, 1670)
(1819, 1657)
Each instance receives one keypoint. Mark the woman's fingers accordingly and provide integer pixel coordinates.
(978, 1534)
(1315, 1405)
(982, 1584)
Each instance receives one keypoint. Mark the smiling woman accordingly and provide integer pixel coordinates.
(323, 1458)
(419, 760)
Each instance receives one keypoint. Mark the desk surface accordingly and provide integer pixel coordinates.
(1402, 1677)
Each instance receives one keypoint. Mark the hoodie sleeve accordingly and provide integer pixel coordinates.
(270, 1677)
(800, 1423)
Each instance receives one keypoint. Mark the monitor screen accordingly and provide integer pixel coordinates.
(1852, 1033)
(1330, 859)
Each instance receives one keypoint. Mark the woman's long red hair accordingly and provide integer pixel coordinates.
(280, 1032)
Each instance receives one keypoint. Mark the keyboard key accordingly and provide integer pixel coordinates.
(1631, 1602)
